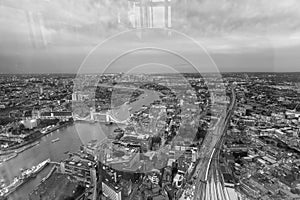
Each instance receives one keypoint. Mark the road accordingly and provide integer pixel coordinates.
(207, 177)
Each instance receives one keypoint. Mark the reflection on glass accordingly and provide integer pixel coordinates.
(150, 13)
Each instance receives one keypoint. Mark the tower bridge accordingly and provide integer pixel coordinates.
(106, 117)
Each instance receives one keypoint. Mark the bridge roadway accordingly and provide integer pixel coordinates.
(208, 184)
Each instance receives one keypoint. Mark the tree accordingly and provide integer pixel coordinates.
(21, 127)
(15, 131)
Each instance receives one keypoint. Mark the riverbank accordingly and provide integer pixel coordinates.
(15, 153)
(17, 149)
(70, 139)
(25, 176)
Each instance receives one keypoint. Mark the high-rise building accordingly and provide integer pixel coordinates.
(111, 191)
(82, 169)
(115, 184)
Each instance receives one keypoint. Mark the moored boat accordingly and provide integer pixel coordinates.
(55, 140)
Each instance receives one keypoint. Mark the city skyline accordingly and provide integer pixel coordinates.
(149, 100)
(160, 136)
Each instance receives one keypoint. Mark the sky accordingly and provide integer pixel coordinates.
(60, 36)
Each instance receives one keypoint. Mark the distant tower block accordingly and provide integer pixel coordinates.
(41, 90)
(150, 13)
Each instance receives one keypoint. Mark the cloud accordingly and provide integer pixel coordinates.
(70, 21)
(244, 25)
(61, 22)
(218, 17)
(59, 27)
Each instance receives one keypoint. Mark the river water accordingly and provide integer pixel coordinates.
(71, 138)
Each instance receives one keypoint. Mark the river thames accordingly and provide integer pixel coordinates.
(70, 140)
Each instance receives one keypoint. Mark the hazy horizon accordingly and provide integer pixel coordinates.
(55, 36)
